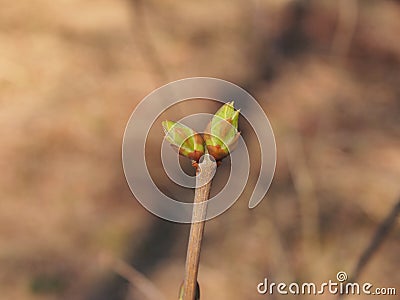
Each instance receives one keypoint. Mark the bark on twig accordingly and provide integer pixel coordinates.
(377, 240)
(205, 173)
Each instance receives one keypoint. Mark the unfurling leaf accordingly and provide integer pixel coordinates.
(222, 134)
(184, 139)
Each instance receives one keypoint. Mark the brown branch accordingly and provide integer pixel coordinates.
(345, 28)
(377, 240)
(133, 276)
(205, 173)
(303, 183)
(145, 45)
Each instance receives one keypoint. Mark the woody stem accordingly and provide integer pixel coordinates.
(205, 172)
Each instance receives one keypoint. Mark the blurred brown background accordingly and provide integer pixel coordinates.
(326, 72)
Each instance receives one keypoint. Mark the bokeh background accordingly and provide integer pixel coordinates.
(327, 73)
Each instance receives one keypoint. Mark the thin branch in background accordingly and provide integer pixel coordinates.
(345, 28)
(134, 277)
(305, 189)
(280, 264)
(377, 240)
(145, 45)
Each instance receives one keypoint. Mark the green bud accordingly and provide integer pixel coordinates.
(221, 134)
(184, 139)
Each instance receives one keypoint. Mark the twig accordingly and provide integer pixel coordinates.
(377, 240)
(345, 28)
(135, 278)
(305, 188)
(205, 172)
(145, 44)
(379, 236)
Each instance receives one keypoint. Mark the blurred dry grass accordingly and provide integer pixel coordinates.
(71, 72)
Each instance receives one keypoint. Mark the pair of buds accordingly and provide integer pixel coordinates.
(219, 139)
